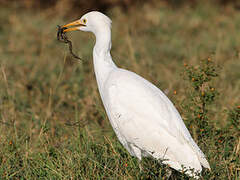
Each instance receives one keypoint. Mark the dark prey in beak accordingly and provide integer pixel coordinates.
(62, 37)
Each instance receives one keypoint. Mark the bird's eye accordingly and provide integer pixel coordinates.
(84, 21)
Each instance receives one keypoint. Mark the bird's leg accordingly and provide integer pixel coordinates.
(137, 153)
(140, 165)
(168, 173)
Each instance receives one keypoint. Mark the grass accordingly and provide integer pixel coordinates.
(52, 122)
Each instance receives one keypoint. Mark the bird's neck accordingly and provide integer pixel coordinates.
(103, 63)
(103, 44)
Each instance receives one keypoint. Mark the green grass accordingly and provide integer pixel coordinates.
(52, 122)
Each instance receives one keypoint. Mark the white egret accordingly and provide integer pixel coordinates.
(143, 118)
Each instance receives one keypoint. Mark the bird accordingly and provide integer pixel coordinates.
(143, 118)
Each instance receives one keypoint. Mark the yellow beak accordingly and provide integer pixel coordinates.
(77, 24)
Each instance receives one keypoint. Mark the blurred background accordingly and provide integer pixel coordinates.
(48, 102)
(104, 5)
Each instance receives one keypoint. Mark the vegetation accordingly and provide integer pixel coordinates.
(52, 122)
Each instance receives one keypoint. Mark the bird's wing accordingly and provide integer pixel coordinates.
(144, 116)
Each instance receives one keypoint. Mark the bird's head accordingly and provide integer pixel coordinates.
(93, 21)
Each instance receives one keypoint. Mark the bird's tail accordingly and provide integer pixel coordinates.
(204, 162)
(201, 156)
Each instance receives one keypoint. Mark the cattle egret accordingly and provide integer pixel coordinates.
(143, 118)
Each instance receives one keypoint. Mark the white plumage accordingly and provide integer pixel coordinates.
(143, 118)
